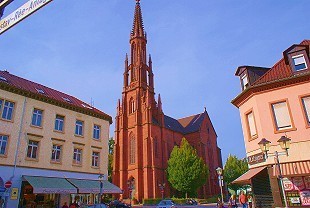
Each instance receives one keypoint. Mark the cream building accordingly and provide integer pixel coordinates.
(53, 146)
(275, 103)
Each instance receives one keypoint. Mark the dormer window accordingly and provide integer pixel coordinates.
(299, 62)
(244, 82)
(40, 91)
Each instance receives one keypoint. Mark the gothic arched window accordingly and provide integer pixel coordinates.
(132, 105)
(132, 149)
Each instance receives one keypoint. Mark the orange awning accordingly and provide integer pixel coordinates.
(293, 168)
(246, 177)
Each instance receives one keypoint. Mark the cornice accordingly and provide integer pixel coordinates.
(272, 85)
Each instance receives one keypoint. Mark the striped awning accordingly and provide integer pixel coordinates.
(49, 185)
(246, 177)
(93, 186)
(293, 169)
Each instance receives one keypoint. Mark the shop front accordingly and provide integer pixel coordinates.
(296, 182)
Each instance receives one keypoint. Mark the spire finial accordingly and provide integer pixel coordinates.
(138, 1)
(137, 29)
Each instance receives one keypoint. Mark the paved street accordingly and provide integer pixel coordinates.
(198, 206)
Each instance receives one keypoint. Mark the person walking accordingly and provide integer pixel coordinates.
(243, 199)
(65, 205)
(232, 201)
(250, 200)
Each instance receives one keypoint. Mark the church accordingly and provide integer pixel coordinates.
(145, 135)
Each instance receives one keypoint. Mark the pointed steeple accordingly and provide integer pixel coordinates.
(138, 28)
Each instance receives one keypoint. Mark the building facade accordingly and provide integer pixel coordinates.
(145, 136)
(275, 102)
(51, 145)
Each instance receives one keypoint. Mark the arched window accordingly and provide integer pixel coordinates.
(132, 105)
(132, 149)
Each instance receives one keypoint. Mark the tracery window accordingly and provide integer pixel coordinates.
(132, 149)
(132, 105)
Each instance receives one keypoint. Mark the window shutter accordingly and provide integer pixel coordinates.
(282, 116)
(306, 102)
(251, 123)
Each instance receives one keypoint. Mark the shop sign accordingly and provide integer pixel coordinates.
(305, 197)
(295, 200)
(54, 191)
(14, 193)
(257, 158)
(287, 184)
(298, 183)
(307, 182)
(21, 13)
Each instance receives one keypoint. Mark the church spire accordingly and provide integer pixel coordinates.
(138, 28)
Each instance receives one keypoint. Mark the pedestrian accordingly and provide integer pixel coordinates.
(219, 203)
(250, 200)
(232, 201)
(65, 205)
(243, 199)
(72, 205)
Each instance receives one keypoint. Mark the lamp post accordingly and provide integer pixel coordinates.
(130, 184)
(219, 171)
(100, 178)
(162, 189)
(284, 142)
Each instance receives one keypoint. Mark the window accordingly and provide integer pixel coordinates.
(59, 123)
(3, 144)
(37, 117)
(32, 150)
(95, 159)
(96, 133)
(6, 109)
(281, 116)
(299, 62)
(306, 105)
(56, 152)
(79, 127)
(132, 150)
(251, 124)
(40, 91)
(244, 81)
(132, 106)
(77, 156)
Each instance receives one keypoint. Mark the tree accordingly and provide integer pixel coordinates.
(233, 169)
(186, 170)
(110, 157)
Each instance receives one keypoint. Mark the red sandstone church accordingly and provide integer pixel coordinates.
(145, 136)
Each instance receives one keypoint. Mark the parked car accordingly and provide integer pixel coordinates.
(167, 203)
(118, 204)
(191, 202)
(96, 206)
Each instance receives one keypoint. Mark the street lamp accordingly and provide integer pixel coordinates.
(130, 184)
(162, 189)
(219, 171)
(284, 143)
(100, 178)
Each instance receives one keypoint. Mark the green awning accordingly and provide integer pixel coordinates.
(50, 185)
(93, 186)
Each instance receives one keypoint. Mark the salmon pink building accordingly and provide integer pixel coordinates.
(145, 135)
(275, 103)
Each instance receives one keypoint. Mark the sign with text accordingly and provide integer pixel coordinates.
(305, 198)
(287, 184)
(21, 13)
(257, 158)
(4, 3)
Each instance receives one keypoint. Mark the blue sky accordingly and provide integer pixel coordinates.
(78, 47)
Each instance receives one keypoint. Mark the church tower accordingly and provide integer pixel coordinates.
(145, 136)
(133, 168)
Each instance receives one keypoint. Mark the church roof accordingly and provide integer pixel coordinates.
(37, 91)
(185, 125)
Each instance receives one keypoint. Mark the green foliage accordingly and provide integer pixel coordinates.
(151, 201)
(234, 168)
(186, 170)
(110, 157)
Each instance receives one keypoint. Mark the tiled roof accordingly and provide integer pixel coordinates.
(279, 71)
(41, 90)
(185, 125)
